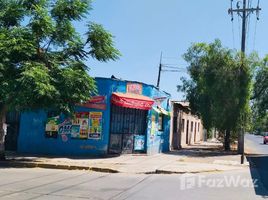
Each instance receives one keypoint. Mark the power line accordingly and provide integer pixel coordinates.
(167, 68)
(233, 34)
(255, 33)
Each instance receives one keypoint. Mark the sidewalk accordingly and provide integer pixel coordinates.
(199, 158)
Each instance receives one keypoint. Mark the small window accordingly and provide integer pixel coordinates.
(192, 126)
(160, 122)
(198, 126)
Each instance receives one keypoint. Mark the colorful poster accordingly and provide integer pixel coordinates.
(95, 125)
(83, 127)
(80, 125)
(82, 115)
(75, 131)
(51, 130)
(65, 128)
(139, 142)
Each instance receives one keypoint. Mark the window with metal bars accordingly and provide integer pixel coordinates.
(128, 121)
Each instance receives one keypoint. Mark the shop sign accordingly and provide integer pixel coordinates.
(95, 124)
(130, 102)
(159, 100)
(139, 142)
(96, 102)
(134, 88)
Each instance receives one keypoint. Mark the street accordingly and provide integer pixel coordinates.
(63, 184)
(254, 144)
(241, 183)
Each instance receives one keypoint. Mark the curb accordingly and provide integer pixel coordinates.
(54, 166)
(185, 172)
(20, 164)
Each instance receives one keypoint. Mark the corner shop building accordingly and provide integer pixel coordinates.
(124, 117)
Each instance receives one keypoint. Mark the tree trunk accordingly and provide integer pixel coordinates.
(227, 140)
(2, 133)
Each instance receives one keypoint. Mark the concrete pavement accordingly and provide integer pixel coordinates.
(199, 158)
(46, 184)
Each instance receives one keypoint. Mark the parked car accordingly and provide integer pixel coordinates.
(265, 137)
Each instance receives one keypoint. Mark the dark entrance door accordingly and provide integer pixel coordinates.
(187, 132)
(11, 138)
(125, 124)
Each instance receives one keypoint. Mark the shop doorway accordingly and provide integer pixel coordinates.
(127, 130)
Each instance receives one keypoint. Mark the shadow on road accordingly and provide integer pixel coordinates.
(259, 170)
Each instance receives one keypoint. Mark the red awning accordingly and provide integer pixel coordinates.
(129, 100)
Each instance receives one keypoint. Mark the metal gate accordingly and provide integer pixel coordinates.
(124, 125)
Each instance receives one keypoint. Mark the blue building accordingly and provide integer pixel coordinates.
(125, 117)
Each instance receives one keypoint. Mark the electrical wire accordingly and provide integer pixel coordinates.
(233, 34)
(255, 33)
(239, 27)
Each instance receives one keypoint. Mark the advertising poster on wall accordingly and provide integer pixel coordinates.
(65, 128)
(52, 127)
(75, 133)
(95, 125)
(83, 128)
(80, 125)
(139, 142)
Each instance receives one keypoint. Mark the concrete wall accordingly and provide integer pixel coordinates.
(194, 135)
(178, 131)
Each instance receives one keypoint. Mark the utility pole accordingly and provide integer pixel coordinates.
(159, 71)
(167, 68)
(243, 13)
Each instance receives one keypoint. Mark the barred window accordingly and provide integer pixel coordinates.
(127, 120)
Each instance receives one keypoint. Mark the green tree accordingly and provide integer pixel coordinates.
(260, 97)
(42, 56)
(219, 88)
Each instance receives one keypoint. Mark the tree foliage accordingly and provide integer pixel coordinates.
(42, 55)
(260, 97)
(219, 88)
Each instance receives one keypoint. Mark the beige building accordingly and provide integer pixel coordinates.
(186, 128)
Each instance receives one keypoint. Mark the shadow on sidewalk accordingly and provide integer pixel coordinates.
(202, 151)
(18, 160)
(259, 171)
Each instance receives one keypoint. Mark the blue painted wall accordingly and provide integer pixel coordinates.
(32, 127)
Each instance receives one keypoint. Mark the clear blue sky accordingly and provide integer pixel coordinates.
(144, 28)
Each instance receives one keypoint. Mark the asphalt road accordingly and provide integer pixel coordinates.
(52, 184)
(40, 184)
(254, 144)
